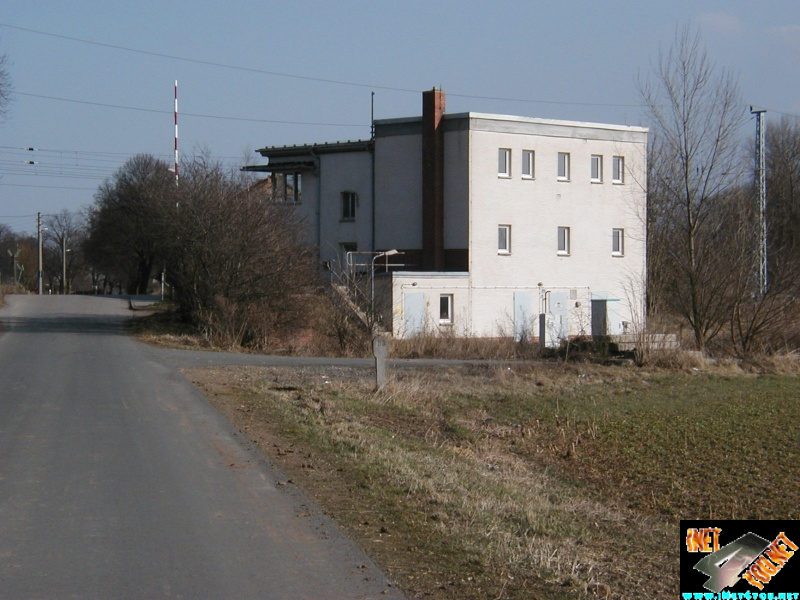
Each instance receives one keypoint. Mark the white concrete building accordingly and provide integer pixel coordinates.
(505, 225)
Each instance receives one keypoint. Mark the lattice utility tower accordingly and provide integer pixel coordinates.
(761, 181)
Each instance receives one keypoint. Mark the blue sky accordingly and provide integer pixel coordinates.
(93, 81)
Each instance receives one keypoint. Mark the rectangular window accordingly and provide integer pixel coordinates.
(528, 164)
(294, 188)
(563, 240)
(504, 162)
(563, 166)
(348, 206)
(618, 242)
(446, 309)
(597, 168)
(504, 239)
(618, 170)
(285, 188)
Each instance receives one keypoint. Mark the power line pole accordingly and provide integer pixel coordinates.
(761, 182)
(39, 240)
(63, 263)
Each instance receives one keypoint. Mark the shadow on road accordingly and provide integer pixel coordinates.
(64, 324)
(97, 315)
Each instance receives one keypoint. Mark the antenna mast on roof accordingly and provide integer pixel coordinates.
(372, 118)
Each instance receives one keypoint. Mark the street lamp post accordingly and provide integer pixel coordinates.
(372, 281)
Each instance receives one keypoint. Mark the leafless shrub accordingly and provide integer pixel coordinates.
(338, 330)
(237, 264)
(678, 360)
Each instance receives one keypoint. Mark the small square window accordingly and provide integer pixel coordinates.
(618, 169)
(563, 166)
(504, 239)
(563, 240)
(349, 200)
(618, 242)
(504, 162)
(528, 164)
(597, 168)
(446, 309)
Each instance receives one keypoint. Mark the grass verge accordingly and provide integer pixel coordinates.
(530, 482)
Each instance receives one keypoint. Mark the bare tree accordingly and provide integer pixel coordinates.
(19, 257)
(783, 198)
(9, 264)
(695, 163)
(769, 321)
(126, 236)
(237, 263)
(64, 235)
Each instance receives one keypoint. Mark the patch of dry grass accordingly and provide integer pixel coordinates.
(553, 481)
(160, 325)
(547, 482)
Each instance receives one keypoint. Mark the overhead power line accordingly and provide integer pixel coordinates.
(294, 76)
(18, 161)
(189, 114)
(48, 187)
(208, 62)
(101, 156)
(301, 77)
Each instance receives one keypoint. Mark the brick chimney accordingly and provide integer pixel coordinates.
(432, 180)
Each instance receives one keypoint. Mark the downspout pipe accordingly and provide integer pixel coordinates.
(372, 153)
(319, 200)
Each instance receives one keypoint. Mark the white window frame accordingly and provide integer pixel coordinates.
(446, 315)
(504, 162)
(596, 174)
(563, 241)
(528, 164)
(617, 242)
(504, 239)
(618, 169)
(349, 204)
(563, 166)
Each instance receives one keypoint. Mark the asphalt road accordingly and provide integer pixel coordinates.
(118, 480)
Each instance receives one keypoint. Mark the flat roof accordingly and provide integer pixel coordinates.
(317, 148)
(518, 119)
(507, 121)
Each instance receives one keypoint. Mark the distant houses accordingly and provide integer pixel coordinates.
(479, 224)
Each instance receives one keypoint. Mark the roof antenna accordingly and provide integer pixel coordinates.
(372, 118)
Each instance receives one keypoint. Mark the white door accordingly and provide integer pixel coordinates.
(413, 314)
